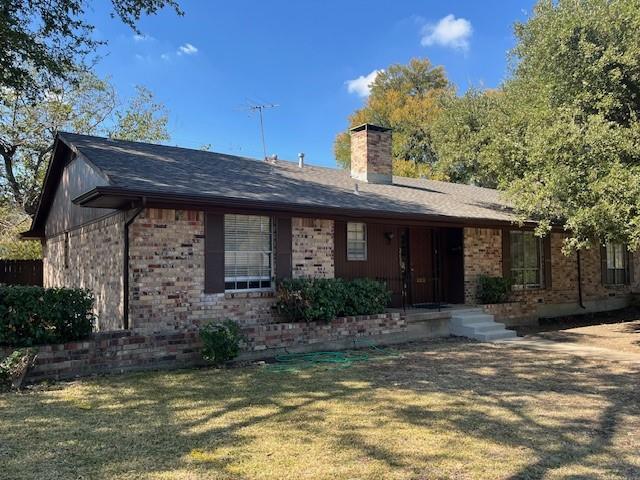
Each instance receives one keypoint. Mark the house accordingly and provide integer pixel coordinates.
(168, 237)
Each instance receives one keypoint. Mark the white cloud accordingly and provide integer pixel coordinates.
(448, 32)
(187, 49)
(362, 85)
(165, 56)
(142, 38)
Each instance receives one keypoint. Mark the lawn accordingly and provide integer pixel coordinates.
(443, 409)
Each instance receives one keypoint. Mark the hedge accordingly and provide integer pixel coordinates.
(36, 316)
(323, 299)
(493, 289)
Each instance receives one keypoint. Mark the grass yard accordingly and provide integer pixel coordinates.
(444, 409)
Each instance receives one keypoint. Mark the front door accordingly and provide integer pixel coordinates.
(421, 260)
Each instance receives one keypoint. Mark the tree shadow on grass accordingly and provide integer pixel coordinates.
(208, 422)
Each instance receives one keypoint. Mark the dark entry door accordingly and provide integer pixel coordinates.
(421, 257)
(452, 254)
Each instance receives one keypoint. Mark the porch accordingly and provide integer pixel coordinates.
(422, 266)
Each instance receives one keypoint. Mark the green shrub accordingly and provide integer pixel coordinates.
(310, 299)
(493, 289)
(221, 341)
(36, 315)
(15, 367)
(323, 299)
(364, 296)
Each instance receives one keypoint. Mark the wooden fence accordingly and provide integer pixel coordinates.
(21, 272)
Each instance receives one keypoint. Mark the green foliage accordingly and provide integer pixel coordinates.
(36, 315)
(493, 289)
(12, 222)
(562, 137)
(14, 368)
(461, 134)
(43, 39)
(323, 299)
(405, 98)
(575, 103)
(143, 119)
(363, 296)
(221, 341)
(87, 105)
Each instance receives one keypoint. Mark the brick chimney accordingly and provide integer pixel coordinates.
(371, 154)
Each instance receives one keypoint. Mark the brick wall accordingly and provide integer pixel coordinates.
(312, 248)
(116, 352)
(166, 268)
(371, 158)
(95, 261)
(483, 256)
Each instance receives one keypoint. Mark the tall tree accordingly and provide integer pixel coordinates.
(562, 138)
(407, 99)
(575, 98)
(87, 105)
(43, 40)
(462, 134)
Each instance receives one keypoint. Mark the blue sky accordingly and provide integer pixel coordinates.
(206, 65)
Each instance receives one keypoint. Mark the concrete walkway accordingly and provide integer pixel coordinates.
(586, 351)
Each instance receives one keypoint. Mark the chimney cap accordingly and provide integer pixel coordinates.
(370, 126)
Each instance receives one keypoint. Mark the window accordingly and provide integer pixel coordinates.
(356, 241)
(248, 250)
(526, 260)
(616, 264)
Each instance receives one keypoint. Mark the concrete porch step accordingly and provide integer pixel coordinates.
(461, 320)
(478, 325)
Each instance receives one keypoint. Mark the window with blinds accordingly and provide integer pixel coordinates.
(356, 241)
(248, 251)
(526, 260)
(616, 263)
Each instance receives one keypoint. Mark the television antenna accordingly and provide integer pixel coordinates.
(259, 108)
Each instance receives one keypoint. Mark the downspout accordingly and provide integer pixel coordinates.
(125, 270)
(580, 302)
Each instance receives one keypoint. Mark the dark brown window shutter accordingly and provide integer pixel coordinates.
(603, 264)
(506, 253)
(340, 242)
(629, 268)
(546, 252)
(213, 253)
(283, 248)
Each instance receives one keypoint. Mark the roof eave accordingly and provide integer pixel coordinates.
(32, 235)
(123, 198)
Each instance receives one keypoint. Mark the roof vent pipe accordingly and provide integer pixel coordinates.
(301, 160)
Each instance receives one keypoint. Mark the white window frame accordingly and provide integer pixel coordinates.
(235, 279)
(363, 241)
(523, 270)
(612, 262)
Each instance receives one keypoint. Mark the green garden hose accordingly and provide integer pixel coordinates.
(292, 362)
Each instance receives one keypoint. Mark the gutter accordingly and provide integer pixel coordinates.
(580, 301)
(125, 269)
(115, 197)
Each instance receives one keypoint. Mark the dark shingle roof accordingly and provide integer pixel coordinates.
(172, 170)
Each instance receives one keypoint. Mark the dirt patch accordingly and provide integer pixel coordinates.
(618, 330)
